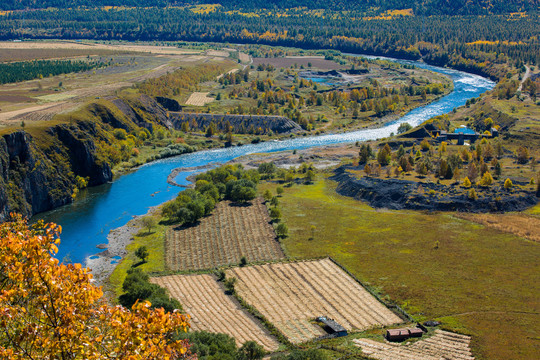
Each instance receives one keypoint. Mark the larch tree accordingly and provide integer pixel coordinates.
(52, 310)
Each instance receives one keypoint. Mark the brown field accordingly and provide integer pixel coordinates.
(285, 62)
(204, 299)
(243, 57)
(292, 295)
(442, 345)
(223, 238)
(518, 224)
(91, 47)
(218, 53)
(199, 99)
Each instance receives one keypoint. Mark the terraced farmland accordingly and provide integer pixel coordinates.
(223, 238)
(442, 345)
(204, 299)
(291, 295)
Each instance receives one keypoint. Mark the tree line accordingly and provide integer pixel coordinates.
(471, 43)
(38, 69)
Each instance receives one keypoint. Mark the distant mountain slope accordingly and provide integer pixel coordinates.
(432, 7)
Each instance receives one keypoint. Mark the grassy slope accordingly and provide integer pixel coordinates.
(478, 281)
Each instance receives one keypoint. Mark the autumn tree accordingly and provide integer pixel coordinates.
(50, 310)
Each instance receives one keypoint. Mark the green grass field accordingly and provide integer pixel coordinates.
(475, 280)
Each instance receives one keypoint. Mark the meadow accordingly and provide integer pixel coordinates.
(476, 280)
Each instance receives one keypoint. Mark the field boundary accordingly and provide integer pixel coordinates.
(394, 307)
(285, 260)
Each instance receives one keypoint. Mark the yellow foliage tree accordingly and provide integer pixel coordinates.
(487, 179)
(466, 183)
(52, 310)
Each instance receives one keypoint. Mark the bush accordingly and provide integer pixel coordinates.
(229, 285)
(508, 184)
(275, 214)
(282, 230)
(472, 195)
(466, 183)
(243, 261)
(404, 128)
(142, 253)
(240, 190)
(487, 179)
(137, 287)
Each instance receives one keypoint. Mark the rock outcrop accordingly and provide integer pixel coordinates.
(399, 194)
(240, 123)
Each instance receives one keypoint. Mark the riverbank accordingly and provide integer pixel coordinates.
(102, 264)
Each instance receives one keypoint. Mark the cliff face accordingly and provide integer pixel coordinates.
(38, 177)
(40, 168)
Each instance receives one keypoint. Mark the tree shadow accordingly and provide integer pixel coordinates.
(241, 204)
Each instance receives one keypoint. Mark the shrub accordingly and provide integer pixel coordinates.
(522, 155)
(466, 183)
(137, 287)
(243, 261)
(404, 128)
(508, 184)
(472, 194)
(487, 179)
(142, 253)
(282, 230)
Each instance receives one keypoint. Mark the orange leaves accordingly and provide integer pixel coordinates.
(52, 310)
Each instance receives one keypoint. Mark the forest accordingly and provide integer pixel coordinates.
(477, 7)
(478, 44)
(28, 70)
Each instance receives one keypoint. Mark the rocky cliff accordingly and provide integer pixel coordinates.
(44, 165)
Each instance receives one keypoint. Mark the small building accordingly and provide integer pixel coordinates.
(397, 334)
(403, 334)
(332, 327)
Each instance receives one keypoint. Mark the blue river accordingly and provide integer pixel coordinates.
(87, 221)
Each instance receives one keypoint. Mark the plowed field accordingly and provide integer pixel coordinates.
(442, 345)
(199, 99)
(290, 295)
(223, 238)
(210, 309)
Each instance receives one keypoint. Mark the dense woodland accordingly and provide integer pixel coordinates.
(28, 70)
(420, 7)
(470, 43)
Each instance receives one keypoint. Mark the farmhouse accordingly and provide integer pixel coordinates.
(332, 327)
